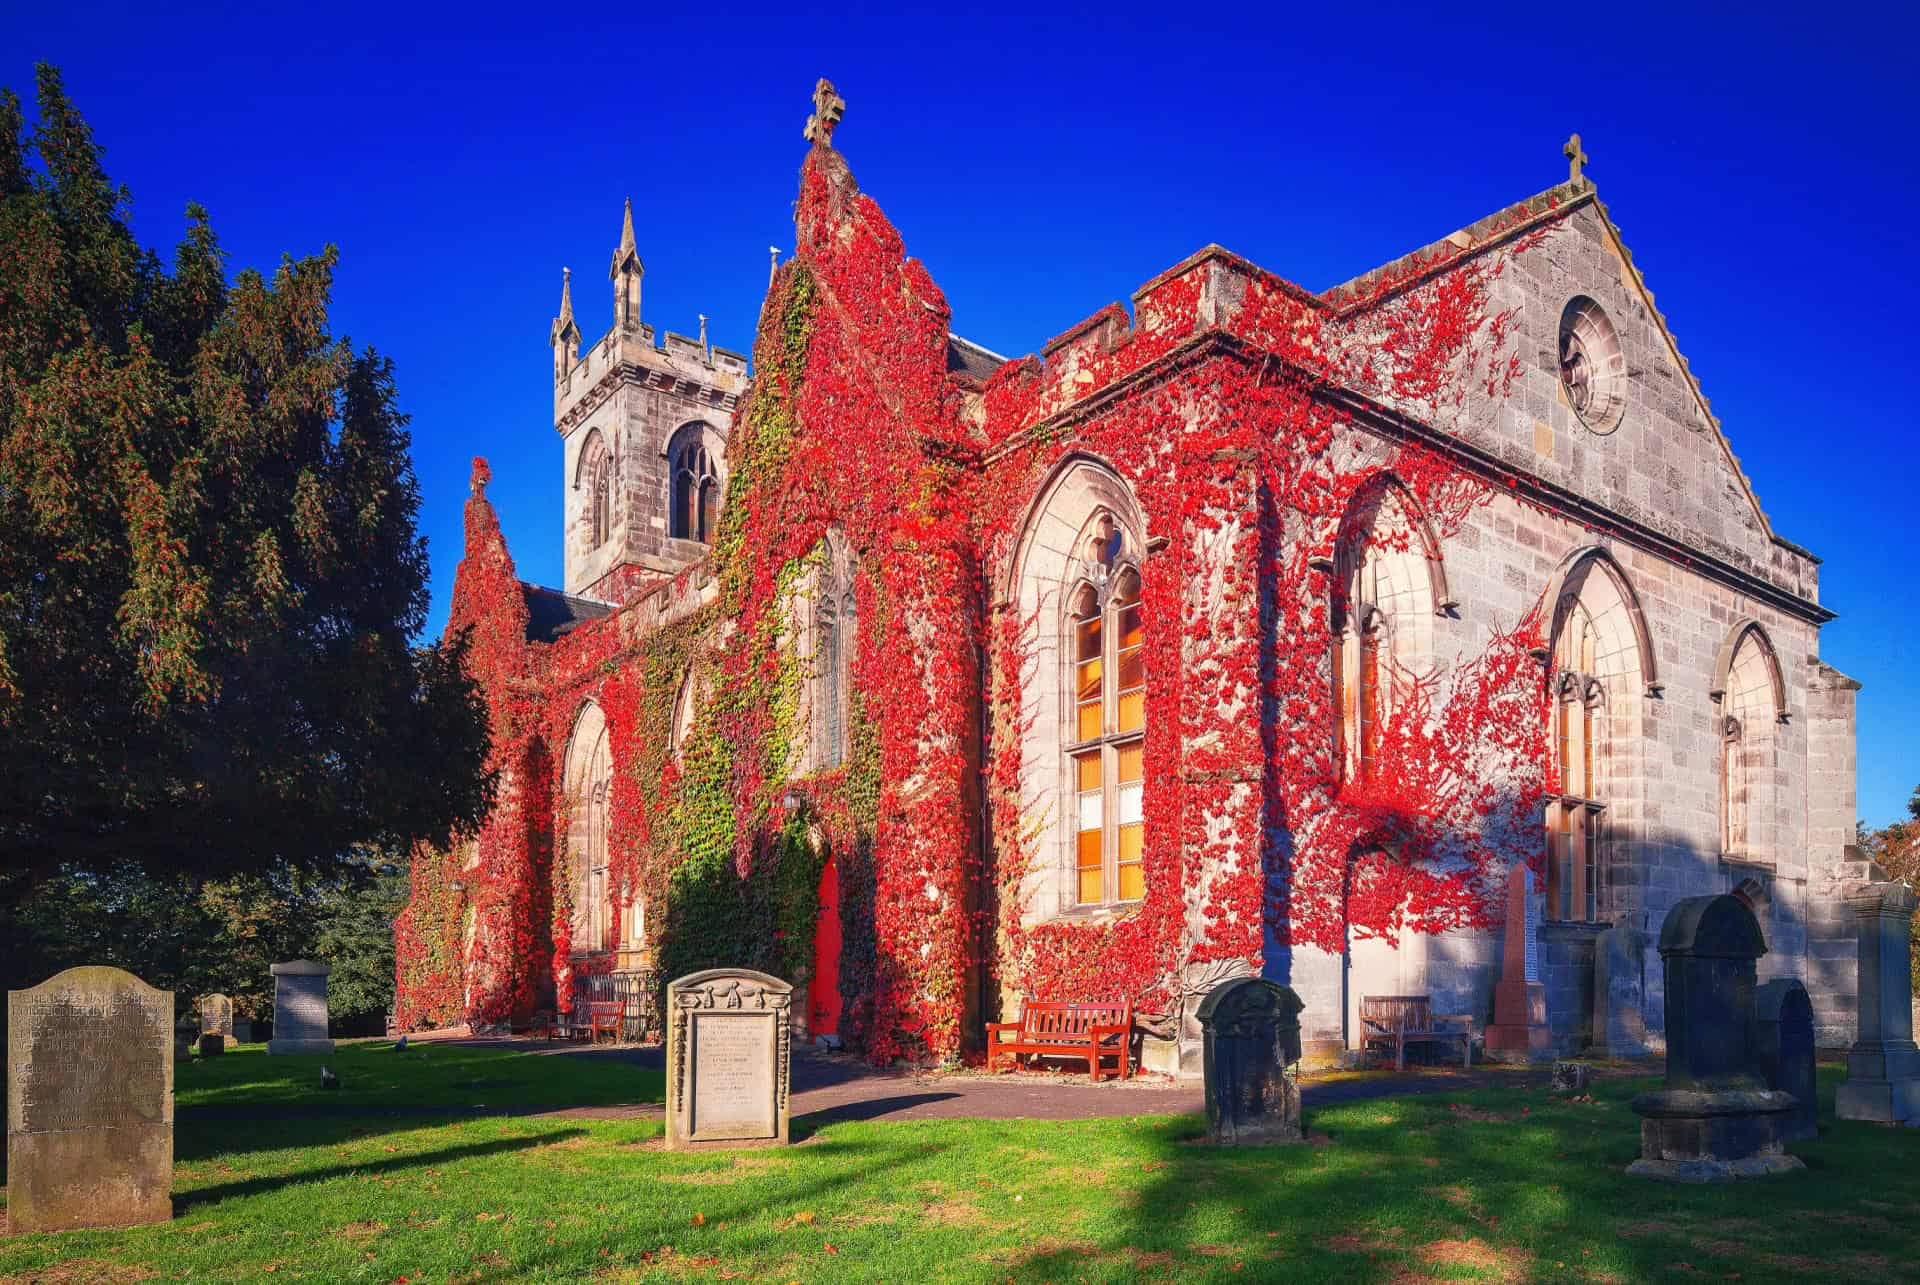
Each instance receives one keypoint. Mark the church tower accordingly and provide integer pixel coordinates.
(644, 431)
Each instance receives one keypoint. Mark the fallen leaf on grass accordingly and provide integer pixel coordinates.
(829, 1247)
(699, 1220)
(804, 1217)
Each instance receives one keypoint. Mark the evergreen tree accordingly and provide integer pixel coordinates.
(209, 569)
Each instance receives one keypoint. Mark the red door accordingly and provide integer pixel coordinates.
(823, 992)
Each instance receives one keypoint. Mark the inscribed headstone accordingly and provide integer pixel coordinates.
(1251, 1033)
(300, 1008)
(729, 1059)
(216, 1016)
(89, 1102)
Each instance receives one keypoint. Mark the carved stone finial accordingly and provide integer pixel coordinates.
(773, 264)
(482, 474)
(828, 108)
(1576, 159)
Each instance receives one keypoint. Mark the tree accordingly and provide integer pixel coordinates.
(209, 569)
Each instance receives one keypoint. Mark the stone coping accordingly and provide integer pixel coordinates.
(302, 968)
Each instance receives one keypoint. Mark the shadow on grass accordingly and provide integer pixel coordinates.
(802, 1127)
(185, 1201)
(1507, 1184)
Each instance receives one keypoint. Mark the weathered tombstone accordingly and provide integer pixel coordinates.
(1716, 1119)
(1620, 991)
(1883, 1066)
(300, 1008)
(216, 1016)
(1250, 1052)
(89, 1102)
(1518, 1032)
(1571, 1076)
(212, 1045)
(242, 1031)
(729, 1059)
(1782, 1042)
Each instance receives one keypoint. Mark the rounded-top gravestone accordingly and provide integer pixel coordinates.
(729, 1059)
(1708, 947)
(89, 1102)
(1251, 1053)
(1782, 1042)
(1715, 1119)
(300, 1008)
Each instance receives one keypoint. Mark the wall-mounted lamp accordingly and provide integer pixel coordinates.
(458, 885)
(791, 801)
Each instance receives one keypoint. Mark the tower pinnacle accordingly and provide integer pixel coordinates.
(625, 273)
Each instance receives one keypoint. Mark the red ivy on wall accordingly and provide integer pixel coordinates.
(1246, 415)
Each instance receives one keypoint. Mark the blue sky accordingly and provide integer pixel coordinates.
(1762, 169)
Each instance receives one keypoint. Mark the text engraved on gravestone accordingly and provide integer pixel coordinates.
(733, 1055)
(68, 1085)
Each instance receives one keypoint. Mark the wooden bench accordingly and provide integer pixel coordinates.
(1399, 1020)
(1093, 1032)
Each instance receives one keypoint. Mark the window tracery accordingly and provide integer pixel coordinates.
(695, 500)
(1107, 728)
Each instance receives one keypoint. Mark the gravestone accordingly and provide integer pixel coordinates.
(242, 1031)
(212, 1045)
(300, 1008)
(1620, 991)
(729, 1059)
(1571, 1076)
(1883, 1065)
(1782, 1042)
(1715, 1119)
(216, 1016)
(1250, 1032)
(89, 1102)
(1518, 1032)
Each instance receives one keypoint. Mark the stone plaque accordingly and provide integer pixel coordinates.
(300, 1008)
(89, 1102)
(729, 1057)
(216, 1016)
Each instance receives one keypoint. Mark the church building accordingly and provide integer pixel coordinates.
(1241, 630)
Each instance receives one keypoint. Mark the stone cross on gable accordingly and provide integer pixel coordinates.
(1576, 159)
(828, 108)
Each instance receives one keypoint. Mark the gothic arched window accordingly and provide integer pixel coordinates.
(696, 489)
(1385, 570)
(836, 641)
(589, 785)
(1106, 731)
(1752, 703)
(595, 477)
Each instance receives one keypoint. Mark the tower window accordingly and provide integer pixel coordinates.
(696, 492)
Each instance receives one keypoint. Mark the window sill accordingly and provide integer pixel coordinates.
(1103, 911)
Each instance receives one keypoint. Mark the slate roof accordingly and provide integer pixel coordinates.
(970, 361)
(552, 615)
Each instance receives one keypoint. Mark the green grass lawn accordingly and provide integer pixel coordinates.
(425, 1076)
(1502, 1184)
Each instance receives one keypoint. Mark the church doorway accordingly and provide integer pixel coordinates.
(823, 990)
